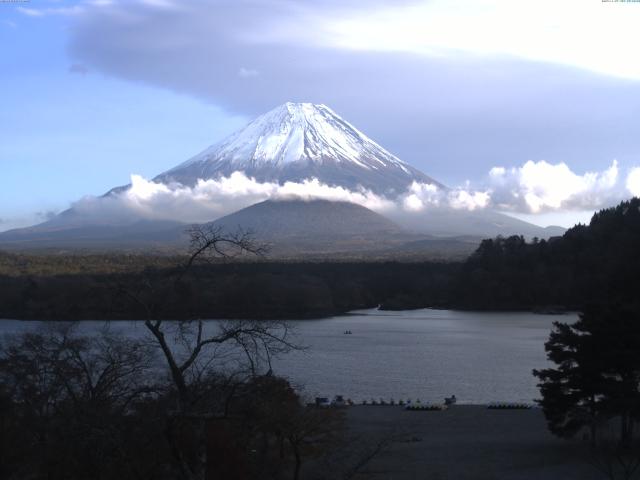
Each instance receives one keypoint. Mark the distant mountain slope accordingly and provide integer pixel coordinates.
(293, 227)
(138, 235)
(285, 218)
(298, 141)
(322, 228)
(483, 223)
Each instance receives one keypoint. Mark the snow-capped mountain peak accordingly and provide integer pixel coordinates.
(295, 141)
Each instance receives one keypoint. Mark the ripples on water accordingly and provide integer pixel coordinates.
(425, 354)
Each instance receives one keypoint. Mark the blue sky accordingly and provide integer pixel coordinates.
(67, 134)
(524, 101)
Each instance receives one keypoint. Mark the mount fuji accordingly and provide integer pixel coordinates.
(295, 142)
(299, 141)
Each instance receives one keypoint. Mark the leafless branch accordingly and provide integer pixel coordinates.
(210, 241)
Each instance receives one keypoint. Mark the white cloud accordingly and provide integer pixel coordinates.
(497, 172)
(540, 186)
(419, 196)
(422, 196)
(310, 189)
(468, 200)
(536, 189)
(633, 182)
(593, 35)
(210, 199)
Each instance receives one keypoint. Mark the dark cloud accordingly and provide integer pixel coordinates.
(454, 117)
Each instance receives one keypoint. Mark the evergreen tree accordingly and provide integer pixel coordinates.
(597, 372)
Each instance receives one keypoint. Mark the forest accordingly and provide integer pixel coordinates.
(595, 263)
(589, 263)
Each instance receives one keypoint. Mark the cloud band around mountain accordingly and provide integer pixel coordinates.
(533, 188)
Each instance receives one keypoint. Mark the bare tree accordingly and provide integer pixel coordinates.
(70, 396)
(212, 242)
(190, 347)
(259, 341)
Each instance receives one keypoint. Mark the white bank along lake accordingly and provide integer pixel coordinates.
(425, 354)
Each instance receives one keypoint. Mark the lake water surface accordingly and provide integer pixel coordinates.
(426, 354)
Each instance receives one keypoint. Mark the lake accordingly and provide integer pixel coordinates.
(427, 354)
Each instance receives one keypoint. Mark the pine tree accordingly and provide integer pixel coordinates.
(597, 372)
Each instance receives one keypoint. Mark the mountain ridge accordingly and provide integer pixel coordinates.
(277, 217)
(298, 141)
(292, 142)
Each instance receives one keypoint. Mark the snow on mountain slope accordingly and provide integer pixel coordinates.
(296, 141)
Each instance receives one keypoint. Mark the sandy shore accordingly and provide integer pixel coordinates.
(465, 442)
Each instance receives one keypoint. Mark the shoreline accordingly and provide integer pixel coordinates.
(323, 316)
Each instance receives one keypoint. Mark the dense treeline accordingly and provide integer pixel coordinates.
(598, 263)
(61, 263)
(593, 263)
(228, 290)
